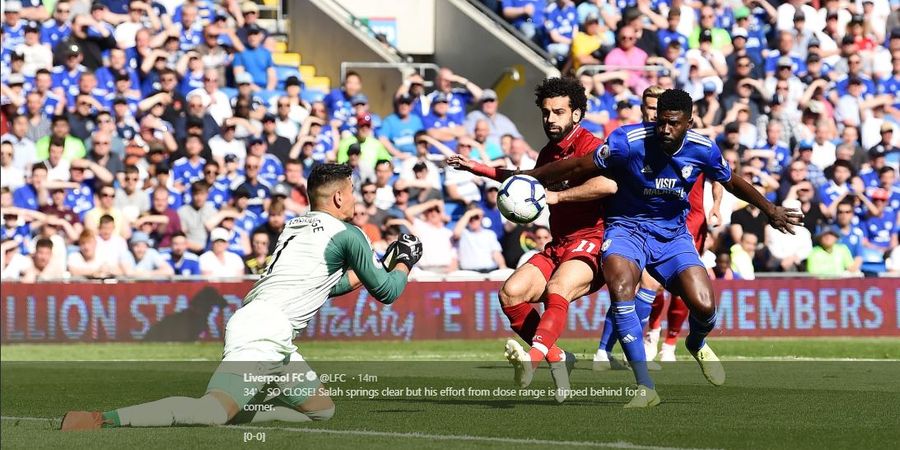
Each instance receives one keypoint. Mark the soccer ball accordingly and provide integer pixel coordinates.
(521, 199)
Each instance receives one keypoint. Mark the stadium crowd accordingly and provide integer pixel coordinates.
(152, 139)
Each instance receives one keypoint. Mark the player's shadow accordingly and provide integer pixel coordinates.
(188, 324)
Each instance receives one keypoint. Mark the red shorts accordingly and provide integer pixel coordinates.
(699, 238)
(583, 248)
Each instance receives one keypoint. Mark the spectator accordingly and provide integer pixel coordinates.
(11, 177)
(36, 55)
(456, 98)
(880, 226)
(285, 124)
(182, 261)
(838, 185)
(587, 43)
(407, 172)
(43, 266)
(479, 249)
(33, 194)
(849, 234)
(250, 17)
(101, 144)
(492, 220)
(527, 16)
(337, 102)
(561, 24)
(384, 171)
(371, 149)
(274, 223)
(90, 38)
(438, 255)
(24, 151)
(742, 255)
(197, 217)
(297, 201)
(276, 145)
(440, 125)
(462, 186)
(256, 59)
(15, 264)
(829, 258)
(60, 129)
(361, 220)
(539, 237)
(789, 250)
(258, 261)
(226, 143)
(104, 205)
(722, 269)
(360, 105)
(498, 123)
(219, 262)
(626, 54)
(399, 129)
(144, 261)
(87, 263)
(214, 100)
(161, 220)
(129, 199)
(259, 190)
(517, 157)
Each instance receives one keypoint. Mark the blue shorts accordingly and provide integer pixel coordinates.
(664, 258)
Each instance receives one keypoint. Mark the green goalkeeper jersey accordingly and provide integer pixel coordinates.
(310, 264)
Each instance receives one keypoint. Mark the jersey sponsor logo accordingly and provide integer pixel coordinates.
(665, 186)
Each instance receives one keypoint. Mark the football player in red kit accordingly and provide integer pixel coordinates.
(568, 267)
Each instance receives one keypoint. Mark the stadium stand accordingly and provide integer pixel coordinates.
(135, 132)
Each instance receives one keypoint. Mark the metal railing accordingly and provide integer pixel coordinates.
(594, 68)
(403, 68)
(502, 23)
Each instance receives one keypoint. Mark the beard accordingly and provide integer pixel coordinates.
(557, 134)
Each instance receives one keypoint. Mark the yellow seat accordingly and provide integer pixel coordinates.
(271, 3)
(308, 72)
(280, 47)
(287, 59)
(319, 83)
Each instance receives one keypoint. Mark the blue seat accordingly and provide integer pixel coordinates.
(268, 95)
(285, 72)
(312, 95)
(229, 91)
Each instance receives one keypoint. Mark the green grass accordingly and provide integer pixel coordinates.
(794, 402)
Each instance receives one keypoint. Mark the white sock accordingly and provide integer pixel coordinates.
(174, 411)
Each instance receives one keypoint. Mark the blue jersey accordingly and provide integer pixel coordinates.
(853, 239)
(13, 35)
(433, 121)
(775, 55)
(338, 104)
(457, 99)
(561, 20)
(891, 85)
(782, 156)
(67, 80)
(80, 199)
(219, 194)
(185, 172)
(324, 144)
(270, 169)
(537, 16)
(869, 89)
(52, 32)
(51, 101)
(19, 233)
(830, 191)
(189, 264)
(667, 36)
(654, 186)
(880, 230)
(401, 132)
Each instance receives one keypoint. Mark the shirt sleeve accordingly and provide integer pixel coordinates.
(357, 255)
(614, 152)
(717, 169)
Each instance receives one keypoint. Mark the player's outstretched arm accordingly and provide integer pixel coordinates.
(565, 169)
(592, 189)
(781, 218)
(460, 162)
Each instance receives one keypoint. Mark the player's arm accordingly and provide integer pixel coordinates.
(564, 169)
(592, 189)
(354, 250)
(715, 213)
(348, 283)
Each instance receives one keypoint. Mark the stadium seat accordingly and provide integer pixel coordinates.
(229, 91)
(284, 72)
(308, 72)
(287, 59)
(320, 83)
(312, 95)
(281, 47)
(268, 95)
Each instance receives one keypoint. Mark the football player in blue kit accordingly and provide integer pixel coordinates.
(655, 166)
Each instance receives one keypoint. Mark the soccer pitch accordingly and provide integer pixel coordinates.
(780, 393)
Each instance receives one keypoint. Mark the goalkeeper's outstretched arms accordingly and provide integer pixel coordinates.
(384, 283)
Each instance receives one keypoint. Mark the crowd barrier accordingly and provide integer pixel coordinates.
(189, 311)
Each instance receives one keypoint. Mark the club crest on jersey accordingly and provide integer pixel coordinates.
(686, 171)
(605, 245)
(603, 152)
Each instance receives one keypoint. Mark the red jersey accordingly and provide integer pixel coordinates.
(696, 217)
(571, 220)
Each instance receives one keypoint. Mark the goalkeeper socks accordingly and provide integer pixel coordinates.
(630, 332)
(174, 411)
(111, 419)
(523, 319)
(643, 306)
(700, 328)
(552, 323)
(659, 304)
(677, 314)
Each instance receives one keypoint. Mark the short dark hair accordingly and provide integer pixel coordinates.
(324, 175)
(130, 169)
(675, 100)
(43, 243)
(381, 162)
(106, 218)
(200, 185)
(562, 87)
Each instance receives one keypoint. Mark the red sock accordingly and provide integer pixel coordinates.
(552, 323)
(659, 304)
(523, 319)
(678, 313)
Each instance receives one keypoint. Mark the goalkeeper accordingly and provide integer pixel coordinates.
(262, 377)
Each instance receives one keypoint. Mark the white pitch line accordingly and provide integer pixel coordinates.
(433, 437)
